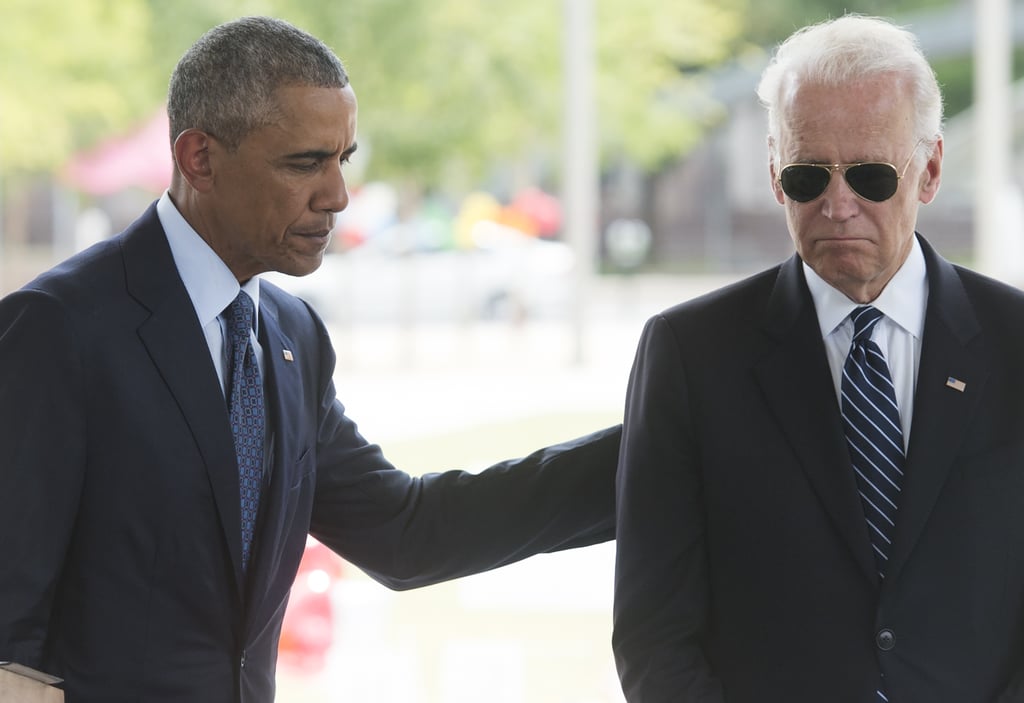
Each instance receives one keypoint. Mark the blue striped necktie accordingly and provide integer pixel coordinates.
(873, 432)
(247, 416)
(874, 436)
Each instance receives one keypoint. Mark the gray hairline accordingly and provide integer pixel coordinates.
(227, 83)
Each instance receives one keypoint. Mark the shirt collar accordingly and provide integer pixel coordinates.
(903, 299)
(208, 280)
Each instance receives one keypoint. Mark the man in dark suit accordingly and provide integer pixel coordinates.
(170, 429)
(780, 538)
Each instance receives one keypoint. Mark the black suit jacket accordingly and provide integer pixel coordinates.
(745, 572)
(119, 504)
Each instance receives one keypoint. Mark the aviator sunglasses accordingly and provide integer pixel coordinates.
(874, 181)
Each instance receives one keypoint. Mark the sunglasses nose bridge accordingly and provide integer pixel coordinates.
(839, 200)
(837, 178)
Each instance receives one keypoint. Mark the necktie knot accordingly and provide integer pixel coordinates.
(864, 320)
(240, 316)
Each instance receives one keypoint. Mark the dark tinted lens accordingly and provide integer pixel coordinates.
(804, 183)
(876, 182)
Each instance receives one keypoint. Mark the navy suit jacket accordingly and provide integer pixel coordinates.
(745, 572)
(119, 502)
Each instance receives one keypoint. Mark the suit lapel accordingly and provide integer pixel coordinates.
(951, 347)
(175, 342)
(798, 388)
(283, 388)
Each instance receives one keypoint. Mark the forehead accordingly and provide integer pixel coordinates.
(866, 118)
(312, 117)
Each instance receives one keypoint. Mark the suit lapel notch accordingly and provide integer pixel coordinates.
(950, 381)
(175, 342)
(797, 386)
(282, 383)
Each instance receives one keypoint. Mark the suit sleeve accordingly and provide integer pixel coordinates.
(42, 431)
(662, 595)
(1014, 691)
(410, 531)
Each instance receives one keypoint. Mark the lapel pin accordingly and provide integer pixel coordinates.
(288, 356)
(956, 384)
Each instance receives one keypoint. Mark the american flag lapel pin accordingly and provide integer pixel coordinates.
(288, 356)
(956, 384)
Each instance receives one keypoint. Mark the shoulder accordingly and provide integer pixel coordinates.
(99, 273)
(716, 325)
(80, 274)
(990, 290)
(294, 314)
(743, 301)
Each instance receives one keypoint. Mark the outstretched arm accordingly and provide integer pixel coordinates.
(413, 531)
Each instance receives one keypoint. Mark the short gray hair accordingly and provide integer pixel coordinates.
(226, 82)
(844, 50)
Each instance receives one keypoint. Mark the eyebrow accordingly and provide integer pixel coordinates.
(320, 154)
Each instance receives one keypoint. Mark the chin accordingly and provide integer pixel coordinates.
(302, 267)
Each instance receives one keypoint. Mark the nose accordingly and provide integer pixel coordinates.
(332, 195)
(839, 202)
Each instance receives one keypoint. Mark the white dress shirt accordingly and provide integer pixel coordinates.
(898, 334)
(210, 284)
(212, 288)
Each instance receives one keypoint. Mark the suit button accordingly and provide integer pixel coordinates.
(241, 660)
(885, 639)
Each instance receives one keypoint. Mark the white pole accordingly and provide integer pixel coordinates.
(999, 241)
(579, 167)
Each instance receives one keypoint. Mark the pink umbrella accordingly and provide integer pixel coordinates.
(139, 159)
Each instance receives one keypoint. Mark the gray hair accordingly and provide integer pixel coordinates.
(225, 84)
(844, 50)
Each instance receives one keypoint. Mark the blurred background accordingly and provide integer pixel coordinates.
(534, 180)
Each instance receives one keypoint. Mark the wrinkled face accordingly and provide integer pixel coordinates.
(854, 244)
(273, 200)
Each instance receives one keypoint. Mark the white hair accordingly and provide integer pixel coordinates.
(845, 50)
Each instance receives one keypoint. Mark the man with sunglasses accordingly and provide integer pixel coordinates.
(821, 482)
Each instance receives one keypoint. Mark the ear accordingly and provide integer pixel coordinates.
(192, 156)
(780, 197)
(931, 177)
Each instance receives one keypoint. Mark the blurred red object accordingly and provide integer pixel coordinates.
(542, 209)
(139, 159)
(307, 632)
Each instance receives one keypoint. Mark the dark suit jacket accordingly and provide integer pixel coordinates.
(119, 504)
(745, 572)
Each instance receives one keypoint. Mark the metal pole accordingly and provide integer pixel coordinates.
(4, 263)
(579, 167)
(999, 242)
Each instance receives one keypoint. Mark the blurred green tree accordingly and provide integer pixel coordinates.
(450, 87)
(446, 87)
(72, 72)
(767, 23)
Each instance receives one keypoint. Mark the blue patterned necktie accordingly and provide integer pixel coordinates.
(247, 416)
(874, 435)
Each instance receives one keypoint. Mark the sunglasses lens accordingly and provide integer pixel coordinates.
(803, 182)
(875, 182)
